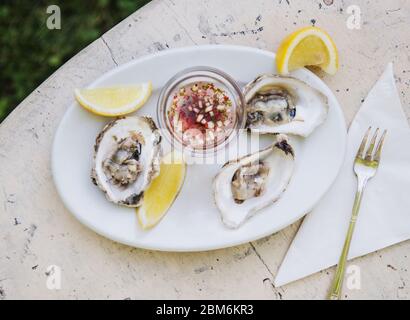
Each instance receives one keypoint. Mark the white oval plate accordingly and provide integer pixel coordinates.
(193, 223)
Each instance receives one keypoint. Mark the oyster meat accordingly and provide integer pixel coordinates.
(126, 159)
(277, 104)
(253, 182)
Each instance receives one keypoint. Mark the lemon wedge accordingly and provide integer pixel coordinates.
(114, 101)
(162, 191)
(310, 46)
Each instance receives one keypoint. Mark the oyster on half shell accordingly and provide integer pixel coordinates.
(278, 104)
(126, 159)
(253, 182)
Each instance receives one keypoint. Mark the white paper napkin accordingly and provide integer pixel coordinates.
(384, 217)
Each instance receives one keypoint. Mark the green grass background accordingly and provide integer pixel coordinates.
(30, 52)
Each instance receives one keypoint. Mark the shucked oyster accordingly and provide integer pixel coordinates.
(126, 159)
(276, 104)
(253, 182)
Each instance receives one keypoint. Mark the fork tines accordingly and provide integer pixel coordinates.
(369, 155)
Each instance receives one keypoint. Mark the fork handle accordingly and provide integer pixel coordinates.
(336, 289)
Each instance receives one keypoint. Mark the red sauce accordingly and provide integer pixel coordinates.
(201, 114)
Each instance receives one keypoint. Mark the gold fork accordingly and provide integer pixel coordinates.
(365, 168)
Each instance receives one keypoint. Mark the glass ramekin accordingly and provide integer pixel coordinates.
(200, 74)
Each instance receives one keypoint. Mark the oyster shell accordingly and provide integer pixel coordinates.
(126, 159)
(277, 104)
(253, 182)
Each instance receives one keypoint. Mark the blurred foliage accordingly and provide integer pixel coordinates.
(30, 52)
